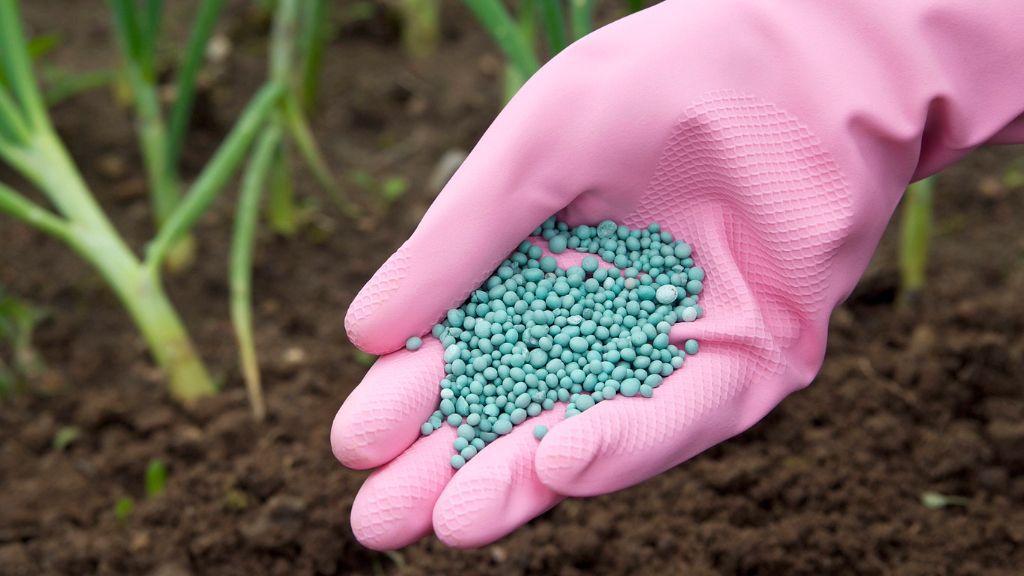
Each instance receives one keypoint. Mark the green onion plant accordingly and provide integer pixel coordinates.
(915, 237)
(156, 478)
(30, 145)
(297, 43)
(299, 36)
(559, 22)
(137, 26)
(123, 509)
(18, 321)
(421, 26)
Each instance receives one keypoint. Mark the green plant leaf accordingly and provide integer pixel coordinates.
(42, 45)
(65, 437)
(364, 358)
(936, 501)
(187, 74)
(123, 509)
(495, 18)
(216, 174)
(240, 270)
(156, 478)
(393, 188)
(62, 84)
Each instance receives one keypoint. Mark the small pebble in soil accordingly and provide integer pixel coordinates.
(535, 335)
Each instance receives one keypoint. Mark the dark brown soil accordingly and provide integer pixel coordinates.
(927, 399)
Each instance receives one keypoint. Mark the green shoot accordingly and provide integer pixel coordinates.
(63, 84)
(241, 262)
(137, 50)
(218, 172)
(281, 212)
(936, 501)
(507, 33)
(7, 383)
(915, 237)
(527, 18)
(582, 17)
(42, 45)
(235, 499)
(65, 437)
(384, 192)
(635, 5)
(137, 53)
(1013, 177)
(313, 36)
(156, 478)
(288, 19)
(364, 358)
(18, 321)
(302, 137)
(554, 26)
(123, 509)
(202, 30)
(393, 188)
(358, 11)
(421, 26)
(517, 37)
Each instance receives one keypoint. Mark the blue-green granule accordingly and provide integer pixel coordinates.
(535, 334)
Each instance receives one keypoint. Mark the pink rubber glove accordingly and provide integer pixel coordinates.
(775, 137)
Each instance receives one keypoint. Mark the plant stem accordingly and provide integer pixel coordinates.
(149, 34)
(241, 261)
(202, 29)
(635, 5)
(281, 210)
(16, 205)
(554, 26)
(12, 126)
(421, 27)
(216, 174)
(160, 325)
(16, 65)
(916, 236)
(502, 28)
(313, 38)
(302, 136)
(582, 16)
(163, 182)
(282, 41)
(62, 84)
(514, 79)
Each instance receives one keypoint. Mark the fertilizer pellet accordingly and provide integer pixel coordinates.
(413, 344)
(535, 334)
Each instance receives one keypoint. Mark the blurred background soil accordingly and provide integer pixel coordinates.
(910, 400)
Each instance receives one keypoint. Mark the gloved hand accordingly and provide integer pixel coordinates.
(775, 137)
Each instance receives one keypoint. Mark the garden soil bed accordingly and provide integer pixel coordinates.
(925, 398)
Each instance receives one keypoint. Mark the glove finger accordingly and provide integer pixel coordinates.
(621, 442)
(383, 415)
(497, 491)
(734, 380)
(393, 507)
